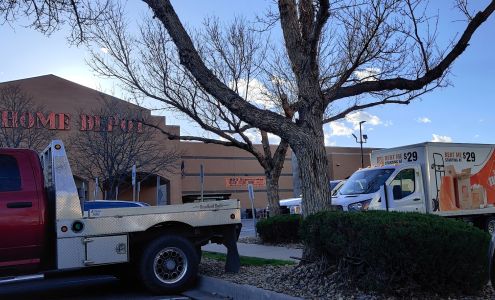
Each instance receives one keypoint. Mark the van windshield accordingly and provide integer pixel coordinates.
(365, 181)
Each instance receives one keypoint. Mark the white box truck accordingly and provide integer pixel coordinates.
(447, 179)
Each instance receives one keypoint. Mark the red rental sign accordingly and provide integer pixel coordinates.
(244, 181)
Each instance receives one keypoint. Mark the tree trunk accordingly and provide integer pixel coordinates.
(272, 192)
(313, 165)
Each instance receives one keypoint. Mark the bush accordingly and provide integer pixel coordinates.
(391, 251)
(279, 229)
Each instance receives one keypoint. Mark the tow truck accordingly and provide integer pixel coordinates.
(44, 228)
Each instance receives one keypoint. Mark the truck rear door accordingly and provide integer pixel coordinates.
(406, 190)
(21, 228)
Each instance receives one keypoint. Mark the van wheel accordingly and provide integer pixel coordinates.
(490, 225)
(169, 264)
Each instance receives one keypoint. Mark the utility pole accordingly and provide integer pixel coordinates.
(361, 141)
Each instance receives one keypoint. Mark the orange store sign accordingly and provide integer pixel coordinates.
(62, 121)
(258, 181)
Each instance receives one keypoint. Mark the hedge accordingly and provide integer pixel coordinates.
(392, 251)
(279, 229)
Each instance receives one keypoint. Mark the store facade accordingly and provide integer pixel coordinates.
(66, 109)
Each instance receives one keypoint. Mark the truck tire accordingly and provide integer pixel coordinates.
(490, 225)
(168, 264)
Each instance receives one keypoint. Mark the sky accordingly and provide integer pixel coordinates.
(462, 112)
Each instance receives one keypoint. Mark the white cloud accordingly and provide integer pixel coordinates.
(253, 136)
(388, 123)
(257, 93)
(476, 136)
(339, 129)
(104, 50)
(441, 138)
(423, 120)
(328, 139)
(273, 139)
(368, 74)
(359, 116)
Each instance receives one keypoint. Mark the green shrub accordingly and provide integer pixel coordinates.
(279, 229)
(391, 251)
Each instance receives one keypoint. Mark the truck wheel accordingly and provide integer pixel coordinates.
(169, 264)
(490, 225)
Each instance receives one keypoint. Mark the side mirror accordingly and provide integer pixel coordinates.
(397, 191)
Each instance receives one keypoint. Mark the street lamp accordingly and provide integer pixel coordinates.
(360, 141)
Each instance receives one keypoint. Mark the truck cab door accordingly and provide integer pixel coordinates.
(405, 191)
(20, 225)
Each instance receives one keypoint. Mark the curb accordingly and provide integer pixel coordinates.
(236, 291)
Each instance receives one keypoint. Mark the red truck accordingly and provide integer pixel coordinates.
(44, 228)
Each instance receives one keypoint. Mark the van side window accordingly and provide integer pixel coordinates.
(10, 178)
(403, 184)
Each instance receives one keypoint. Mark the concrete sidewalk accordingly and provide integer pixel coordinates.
(261, 251)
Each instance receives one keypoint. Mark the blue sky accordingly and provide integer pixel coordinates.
(462, 112)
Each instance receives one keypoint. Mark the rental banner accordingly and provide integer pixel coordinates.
(243, 181)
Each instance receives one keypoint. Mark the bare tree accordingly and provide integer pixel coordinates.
(389, 39)
(344, 56)
(48, 15)
(19, 126)
(110, 151)
(147, 66)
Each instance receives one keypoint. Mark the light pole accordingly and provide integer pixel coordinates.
(360, 141)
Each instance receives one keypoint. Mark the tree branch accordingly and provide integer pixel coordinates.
(435, 73)
(189, 57)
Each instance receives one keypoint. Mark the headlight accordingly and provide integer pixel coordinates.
(359, 206)
(295, 210)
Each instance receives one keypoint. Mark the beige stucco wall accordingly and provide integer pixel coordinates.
(221, 163)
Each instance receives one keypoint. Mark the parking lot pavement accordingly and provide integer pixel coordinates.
(87, 287)
(247, 228)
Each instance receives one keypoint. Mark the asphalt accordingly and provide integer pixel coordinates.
(215, 289)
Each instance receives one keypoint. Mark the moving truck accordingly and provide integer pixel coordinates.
(44, 228)
(447, 179)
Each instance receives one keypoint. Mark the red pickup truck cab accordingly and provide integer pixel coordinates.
(23, 212)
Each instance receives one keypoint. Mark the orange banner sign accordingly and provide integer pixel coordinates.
(244, 181)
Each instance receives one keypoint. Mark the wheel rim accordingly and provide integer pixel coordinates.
(491, 226)
(170, 265)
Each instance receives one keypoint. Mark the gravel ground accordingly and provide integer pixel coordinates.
(309, 282)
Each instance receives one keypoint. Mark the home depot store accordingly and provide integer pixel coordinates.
(228, 170)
